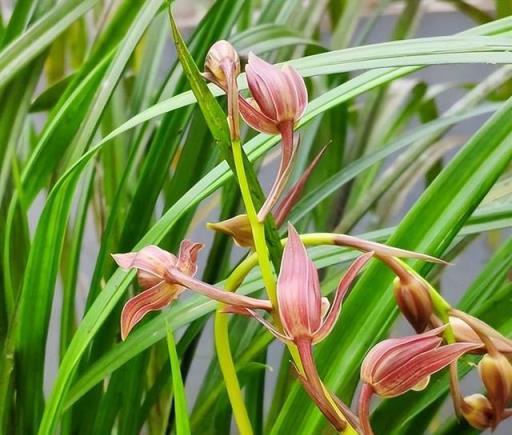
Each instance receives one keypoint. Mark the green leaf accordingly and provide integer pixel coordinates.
(39, 36)
(180, 402)
(429, 227)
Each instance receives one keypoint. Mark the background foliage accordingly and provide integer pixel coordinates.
(103, 149)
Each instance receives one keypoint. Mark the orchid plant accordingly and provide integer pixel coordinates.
(293, 220)
(300, 316)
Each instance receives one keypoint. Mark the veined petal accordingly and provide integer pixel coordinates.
(411, 372)
(394, 351)
(343, 286)
(295, 105)
(298, 89)
(298, 291)
(264, 80)
(152, 299)
(151, 263)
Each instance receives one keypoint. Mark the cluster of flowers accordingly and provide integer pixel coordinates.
(302, 316)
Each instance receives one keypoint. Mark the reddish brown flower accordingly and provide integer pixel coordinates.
(398, 365)
(279, 100)
(152, 263)
(164, 277)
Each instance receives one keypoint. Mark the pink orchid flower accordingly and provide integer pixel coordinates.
(304, 313)
(398, 365)
(306, 318)
(279, 100)
(164, 277)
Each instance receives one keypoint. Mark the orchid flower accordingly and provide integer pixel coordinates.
(305, 316)
(279, 99)
(163, 277)
(398, 365)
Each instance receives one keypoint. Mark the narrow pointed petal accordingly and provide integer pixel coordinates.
(298, 290)
(284, 208)
(124, 261)
(383, 250)
(262, 320)
(341, 291)
(283, 174)
(411, 372)
(212, 292)
(152, 299)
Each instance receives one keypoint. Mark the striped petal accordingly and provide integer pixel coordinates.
(152, 299)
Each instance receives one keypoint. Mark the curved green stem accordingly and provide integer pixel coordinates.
(223, 350)
(258, 231)
(228, 369)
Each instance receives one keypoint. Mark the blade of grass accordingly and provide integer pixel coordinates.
(180, 402)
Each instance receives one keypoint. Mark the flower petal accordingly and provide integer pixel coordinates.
(410, 373)
(382, 250)
(238, 227)
(152, 299)
(252, 115)
(265, 80)
(187, 257)
(151, 263)
(124, 261)
(298, 289)
(284, 208)
(212, 292)
(298, 88)
(343, 286)
(395, 351)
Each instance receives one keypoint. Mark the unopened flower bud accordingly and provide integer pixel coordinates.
(496, 373)
(477, 410)
(221, 60)
(238, 228)
(413, 299)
